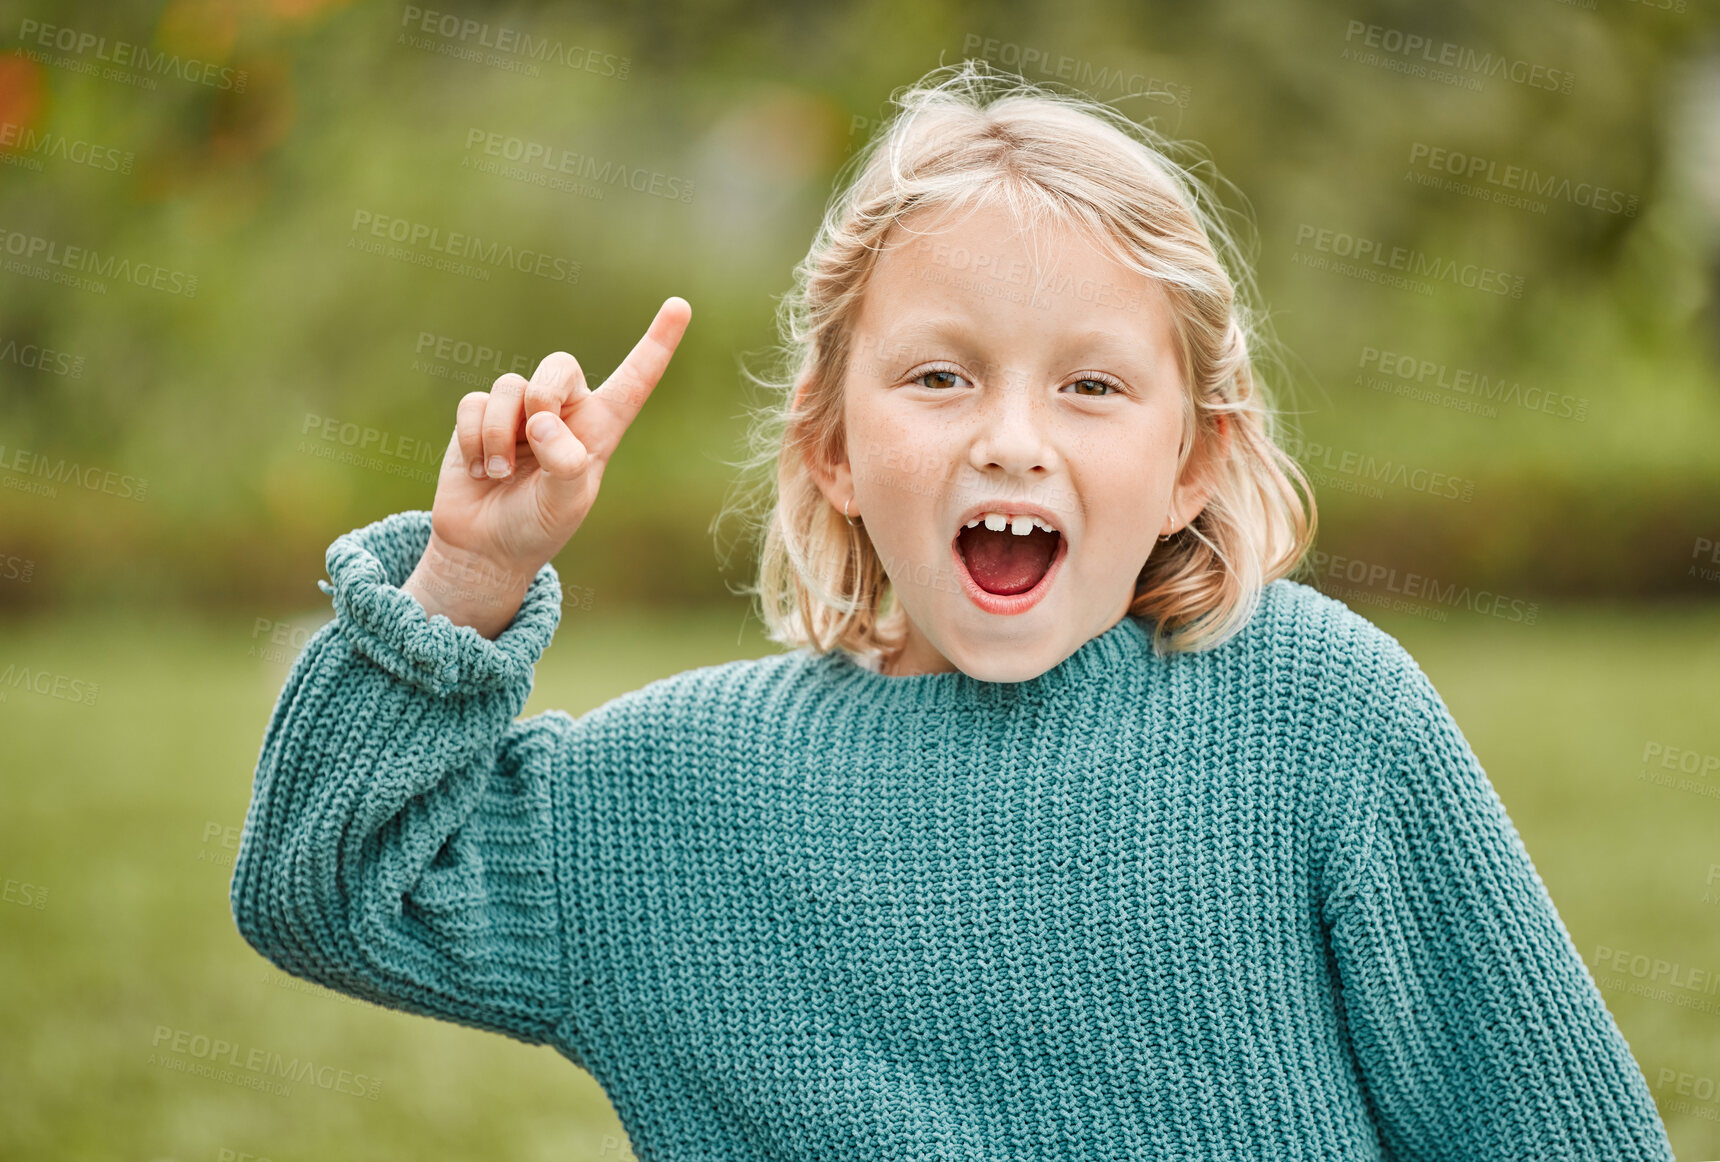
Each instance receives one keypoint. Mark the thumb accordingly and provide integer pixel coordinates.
(561, 456)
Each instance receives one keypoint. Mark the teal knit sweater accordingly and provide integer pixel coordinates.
(1258, 902)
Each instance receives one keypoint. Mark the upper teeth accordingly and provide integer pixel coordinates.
(1019, 525)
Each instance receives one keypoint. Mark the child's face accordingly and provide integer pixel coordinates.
(977, 380)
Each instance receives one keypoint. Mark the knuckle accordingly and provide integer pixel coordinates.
(556, 365)
(543, 393)
(510, 383)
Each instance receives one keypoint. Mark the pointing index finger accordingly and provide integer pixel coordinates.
(625, 391)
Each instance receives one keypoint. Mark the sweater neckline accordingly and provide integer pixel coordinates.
(1102, 658)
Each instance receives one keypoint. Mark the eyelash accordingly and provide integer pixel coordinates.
(1116, 388)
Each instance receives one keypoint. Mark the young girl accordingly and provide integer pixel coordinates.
(1071, 826)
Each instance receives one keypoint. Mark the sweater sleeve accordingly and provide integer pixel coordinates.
(1477, 1029)
(399, 844)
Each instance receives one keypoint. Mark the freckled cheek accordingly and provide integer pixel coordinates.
(1124, 499)
(900, 463)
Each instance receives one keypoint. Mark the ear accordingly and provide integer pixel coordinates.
(834, 480)
(1200, 477)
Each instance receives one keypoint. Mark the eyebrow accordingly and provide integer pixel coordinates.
(949, 328)
(960, 331)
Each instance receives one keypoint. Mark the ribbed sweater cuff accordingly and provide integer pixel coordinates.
(388, 625)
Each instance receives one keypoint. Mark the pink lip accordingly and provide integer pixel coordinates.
(1015, 602)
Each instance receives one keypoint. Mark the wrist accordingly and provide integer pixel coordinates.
(468, 588)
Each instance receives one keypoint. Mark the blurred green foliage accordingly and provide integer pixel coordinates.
(230, 404)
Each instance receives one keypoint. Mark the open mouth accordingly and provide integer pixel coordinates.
(1005, 563)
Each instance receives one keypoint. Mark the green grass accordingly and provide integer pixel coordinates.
(107, 805)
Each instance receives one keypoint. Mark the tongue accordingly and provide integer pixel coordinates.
(1003, 563)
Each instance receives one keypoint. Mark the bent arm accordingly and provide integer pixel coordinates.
(401, 840)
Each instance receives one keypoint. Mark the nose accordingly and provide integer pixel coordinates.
(1010, 432)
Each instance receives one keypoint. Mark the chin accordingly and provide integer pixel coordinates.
(1003, 664)
(1011, 673)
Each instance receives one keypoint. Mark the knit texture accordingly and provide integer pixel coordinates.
(1259, 902)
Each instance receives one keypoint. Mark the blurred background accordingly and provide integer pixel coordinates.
(233, 327)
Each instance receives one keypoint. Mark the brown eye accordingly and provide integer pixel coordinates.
(943, 371)
(1101, 383)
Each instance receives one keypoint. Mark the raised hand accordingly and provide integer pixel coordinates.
(522, 471)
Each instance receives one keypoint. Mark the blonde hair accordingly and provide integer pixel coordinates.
(957, 141)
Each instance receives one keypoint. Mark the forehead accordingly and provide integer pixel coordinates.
(990, 226)
(982, 273)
